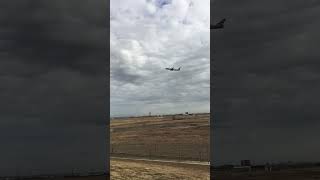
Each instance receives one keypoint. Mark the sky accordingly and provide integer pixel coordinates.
(53, 86)
(146, 36)
(266, 75)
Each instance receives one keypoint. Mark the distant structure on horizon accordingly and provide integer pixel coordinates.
(160, 115)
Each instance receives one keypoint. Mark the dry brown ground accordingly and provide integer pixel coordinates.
(162, 136)
(163, 130)
(141, 170)
(167, 137)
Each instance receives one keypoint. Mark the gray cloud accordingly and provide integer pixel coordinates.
(148, 36)
(265, 74)
(53, 86)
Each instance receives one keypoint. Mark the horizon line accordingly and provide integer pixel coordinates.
(124, 116)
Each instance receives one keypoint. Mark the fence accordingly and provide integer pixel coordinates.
(194, 152)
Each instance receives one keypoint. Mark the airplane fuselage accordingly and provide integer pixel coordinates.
(172, 69)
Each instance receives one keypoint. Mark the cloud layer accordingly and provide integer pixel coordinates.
(52, 74)
(146, 36)
(266, 96)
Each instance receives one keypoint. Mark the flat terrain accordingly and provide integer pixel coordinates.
(139, 170)
(167, 137)
(176, 137)
(289, 174)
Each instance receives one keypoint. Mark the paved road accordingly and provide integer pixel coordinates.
(165, 161)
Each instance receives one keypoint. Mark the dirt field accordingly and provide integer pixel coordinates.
(138, 170)
(168, 137)
(291, 174)
(172, 137)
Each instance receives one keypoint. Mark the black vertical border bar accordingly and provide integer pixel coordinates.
(212, 66)
(107, 99)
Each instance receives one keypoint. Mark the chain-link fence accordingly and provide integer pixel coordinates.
(194, 152)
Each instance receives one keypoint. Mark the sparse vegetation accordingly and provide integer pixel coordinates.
(137, 170)
(180, 137)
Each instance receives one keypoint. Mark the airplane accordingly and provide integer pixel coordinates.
(219, 25)
(173, 69)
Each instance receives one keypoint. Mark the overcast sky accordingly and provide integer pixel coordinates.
(146, 36)
(266, 101)
(53, 86)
